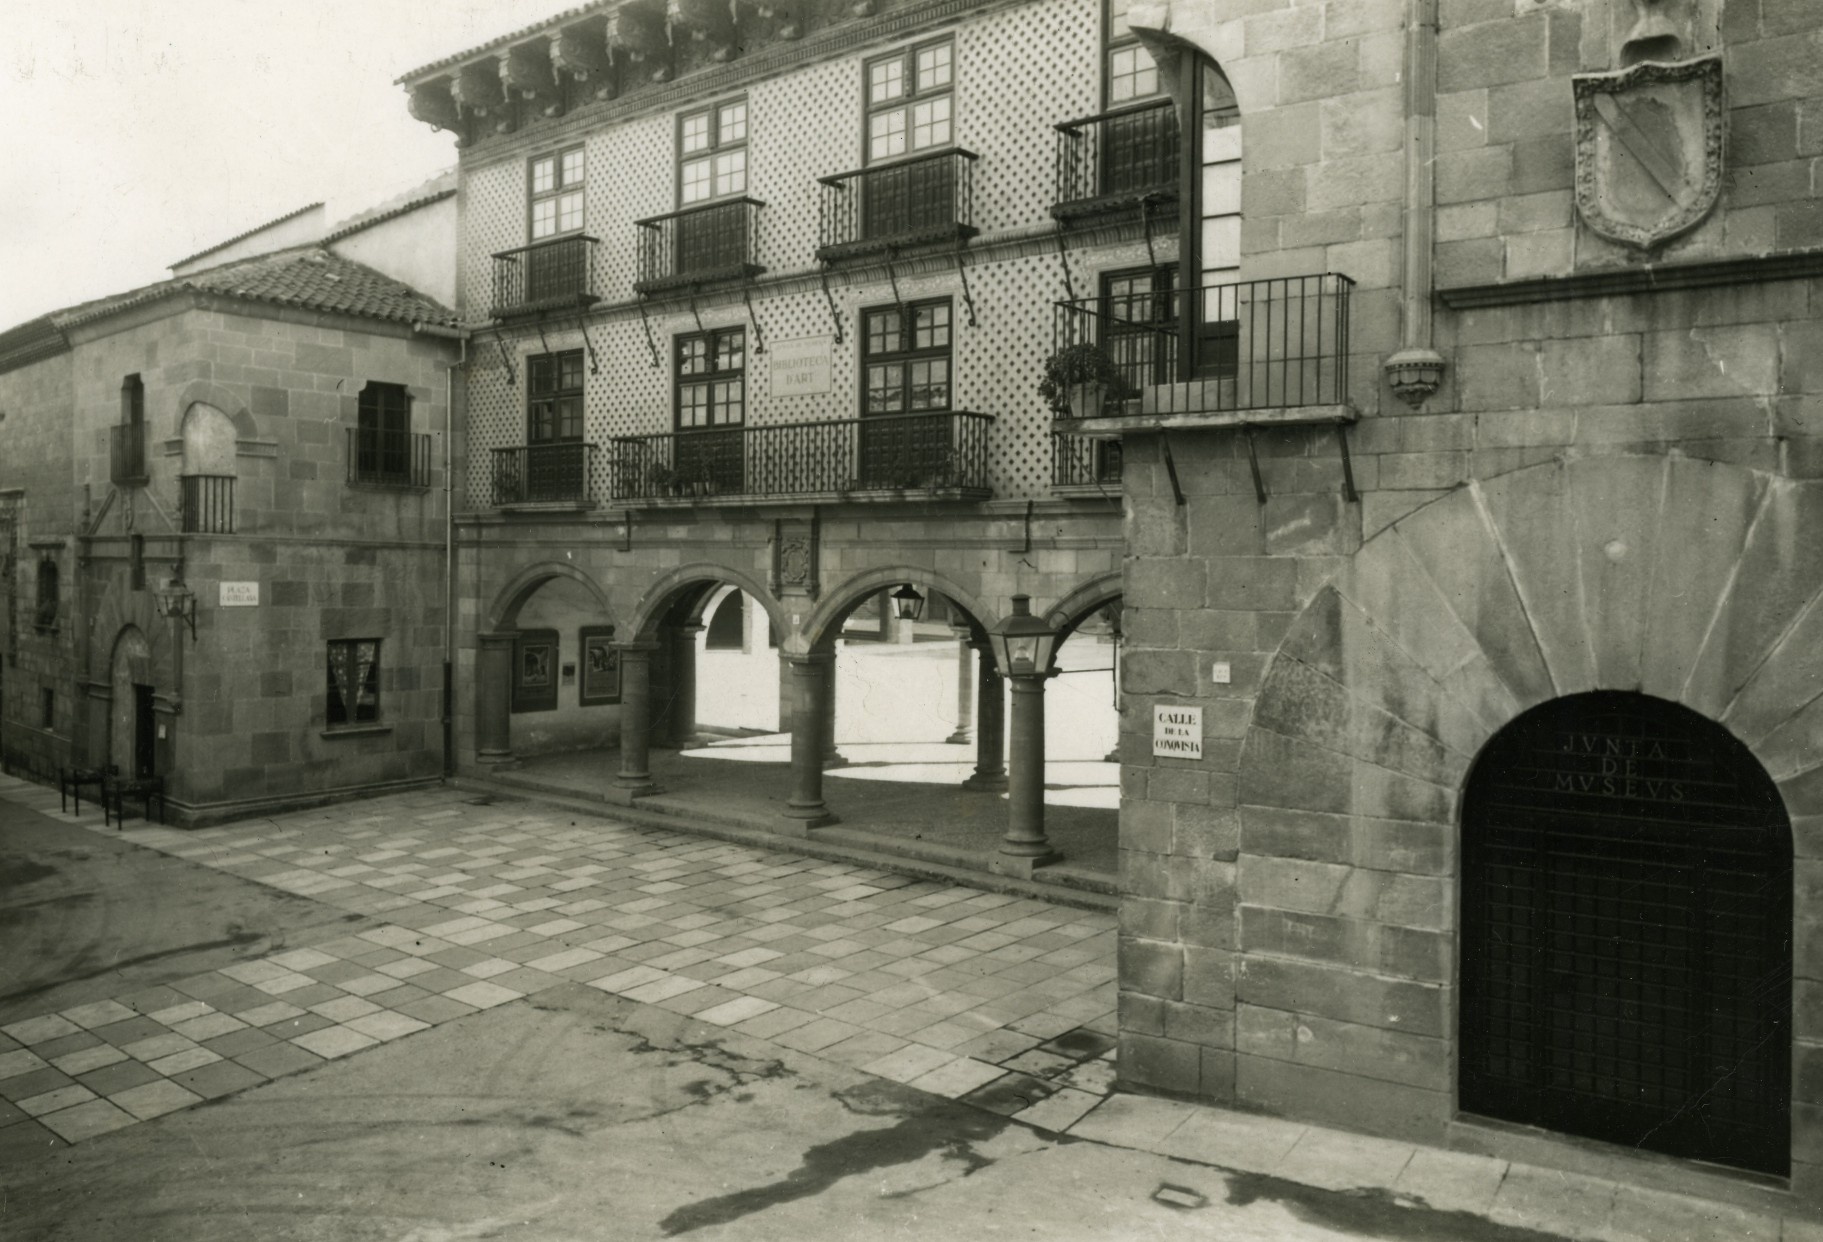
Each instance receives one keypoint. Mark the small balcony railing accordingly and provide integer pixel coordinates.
(208, 504)
(530, 474)
(1116, 160)
(925, 199)
(380, 457)
(940, 452)
(717, 241)
(549, 275)
(1249, 345)
(1077, 461)
(127, 454)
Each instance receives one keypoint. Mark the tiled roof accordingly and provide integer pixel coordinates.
(554, 19)
(258, 228)
(307, 277)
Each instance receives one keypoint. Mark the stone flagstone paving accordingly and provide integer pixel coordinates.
(1004, 1001)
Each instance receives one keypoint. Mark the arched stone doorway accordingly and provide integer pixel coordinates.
(1626, 916)
(132, 729)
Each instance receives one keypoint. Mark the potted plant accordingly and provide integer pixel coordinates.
(1078, 379)
(662, 478)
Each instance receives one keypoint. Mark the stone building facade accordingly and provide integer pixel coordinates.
(717, 344)
(222, 513)
(1500, 834)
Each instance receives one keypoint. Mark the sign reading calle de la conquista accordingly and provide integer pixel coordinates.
(1177, 731)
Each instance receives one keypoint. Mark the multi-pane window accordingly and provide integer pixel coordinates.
(1131, 72)
(906, 354)
(46, 613)
(554, 396)
(354, 681)
(383, 434)
(1139, 325)
(712, 153)
(712, 379)
(557, 185)
(911, 100)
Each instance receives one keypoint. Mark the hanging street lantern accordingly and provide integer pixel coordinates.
(908, 605)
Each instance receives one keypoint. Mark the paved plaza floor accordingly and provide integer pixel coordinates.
(455, 903)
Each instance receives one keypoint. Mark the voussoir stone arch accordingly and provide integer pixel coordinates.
(1081, 604)
(825, 621)
(1695, 582)
(207, 392)
(503, 612)
(662, 595)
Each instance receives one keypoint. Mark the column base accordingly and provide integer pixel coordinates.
(797, 821)
(835, 761)
(960, 737)
(986, 784)
(505, 760)
(1021, 865)
(624, 795)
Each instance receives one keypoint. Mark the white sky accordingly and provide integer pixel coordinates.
(138, 132)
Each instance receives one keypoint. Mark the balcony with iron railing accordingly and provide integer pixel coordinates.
(1117, 161)
(1245, 353)
(556, 475)
(381, 457)
(1080, 464)
(553, 275)
(699, 245)
(924, 200)
(935, 456)
(208, 504)
(127, 455)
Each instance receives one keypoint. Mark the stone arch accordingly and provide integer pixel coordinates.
(1690, 581)
(662, 595)
(210, 440)
(207, 392)
(825, 621)
(1082, 603)
(503, 613)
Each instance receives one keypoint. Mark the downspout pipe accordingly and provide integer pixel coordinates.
(1416, 370)
(460, 335)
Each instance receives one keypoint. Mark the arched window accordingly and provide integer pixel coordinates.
(46, 615)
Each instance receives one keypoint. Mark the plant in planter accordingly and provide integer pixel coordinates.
(1079, 379)
(662, 478)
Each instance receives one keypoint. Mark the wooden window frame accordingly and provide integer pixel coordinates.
(915, 93)
(719, 145)
(338, 713)
(560, 189)
(545, 406)
(906, 355)
(706, 379)
(383, 433)
(1113, 44)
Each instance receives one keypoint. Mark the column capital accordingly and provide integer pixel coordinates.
(496, 638)
(636, 646)
(808, 659)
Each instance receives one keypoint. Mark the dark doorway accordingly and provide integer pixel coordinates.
(1626, 951)
(145, 733)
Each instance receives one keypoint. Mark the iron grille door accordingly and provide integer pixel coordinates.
(1626, 955)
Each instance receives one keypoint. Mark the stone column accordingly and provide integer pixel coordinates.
(805, 810)
(635, 776)
(683, 686)
(787, 708)
(826, 715)
(1025, 846)
(494, 698)
(990, 726)
(965, 699)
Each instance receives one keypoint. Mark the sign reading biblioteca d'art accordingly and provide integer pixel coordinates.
(1177, 731)
(800, 367)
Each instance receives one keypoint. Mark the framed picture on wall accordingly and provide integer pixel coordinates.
(600, 666)
(535, 671)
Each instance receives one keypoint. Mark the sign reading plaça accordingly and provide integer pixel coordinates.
(1177, 731)
(800, 367)
(240, 595)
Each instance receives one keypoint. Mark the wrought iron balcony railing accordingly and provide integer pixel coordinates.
(208, 504)
(530, 474)
(1249, 345)
(924, 199)
(1077, 461)
(379, 457)
(942, 452)
(127, 454)
(548, 275)
(1115, 161)
(716, 241)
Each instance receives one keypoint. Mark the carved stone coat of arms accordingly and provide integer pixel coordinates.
(1649, 148)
